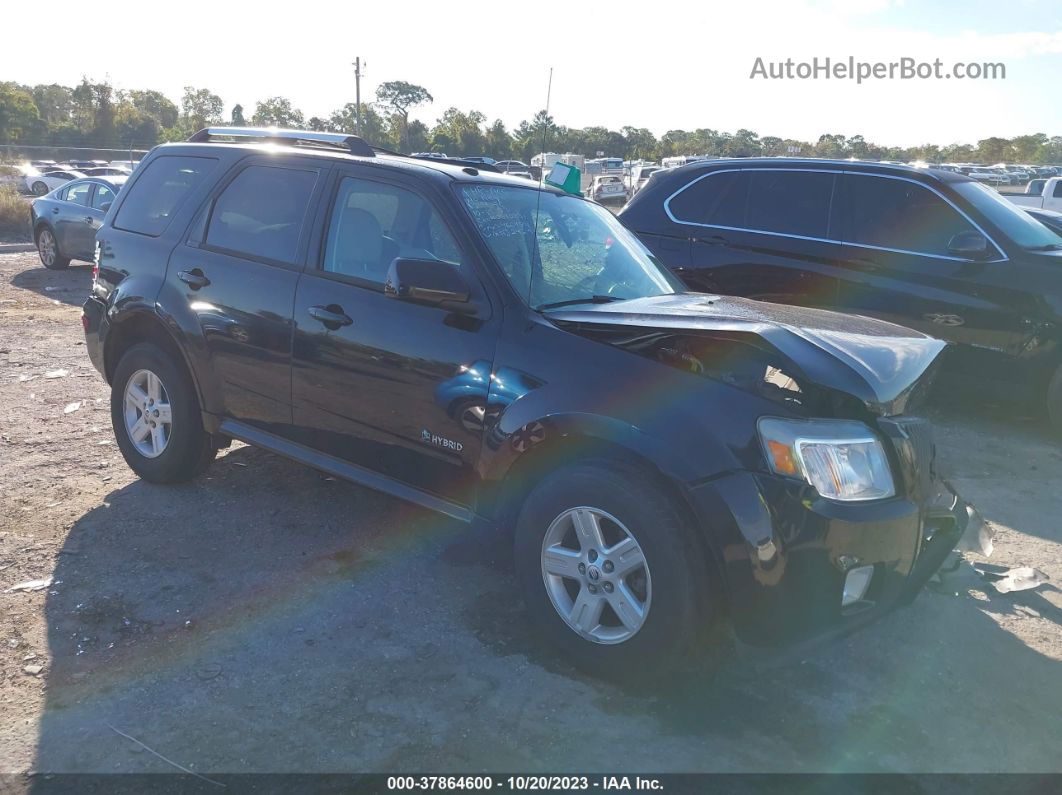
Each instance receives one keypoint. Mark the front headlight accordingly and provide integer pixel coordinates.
(842, 459)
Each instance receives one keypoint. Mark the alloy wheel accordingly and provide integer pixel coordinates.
(148, 417)
(46, 246)
(596, 575)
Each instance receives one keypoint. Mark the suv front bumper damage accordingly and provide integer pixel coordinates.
(786, 552)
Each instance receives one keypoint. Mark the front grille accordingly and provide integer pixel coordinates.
(912, 442)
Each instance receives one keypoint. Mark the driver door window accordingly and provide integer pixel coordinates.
(372, 223)
(103, 197)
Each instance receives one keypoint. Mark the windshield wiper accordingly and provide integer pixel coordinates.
(593, 299)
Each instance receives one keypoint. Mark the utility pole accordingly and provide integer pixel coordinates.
(357, 95)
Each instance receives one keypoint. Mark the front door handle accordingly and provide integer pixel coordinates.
(332, 316)
(193, 278)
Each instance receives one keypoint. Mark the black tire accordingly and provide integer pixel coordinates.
(48, 250)
(1054, 401)
(39, 188)
(681, 623)
(189, 449)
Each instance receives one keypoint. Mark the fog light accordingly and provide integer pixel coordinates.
(856, 583)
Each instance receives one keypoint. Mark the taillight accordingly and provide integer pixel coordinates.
(96, 262)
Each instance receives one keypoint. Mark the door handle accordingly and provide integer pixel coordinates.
(714, 240)
(332, 316)
(55, 211)
(193, 278)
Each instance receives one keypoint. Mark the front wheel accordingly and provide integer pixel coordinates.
(39, 188)
(611, 574)
(48, 250)
(156, 418)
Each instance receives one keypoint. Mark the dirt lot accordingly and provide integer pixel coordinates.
(268, 618)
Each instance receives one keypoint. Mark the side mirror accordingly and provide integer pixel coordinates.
(431, 282)
(972, 245)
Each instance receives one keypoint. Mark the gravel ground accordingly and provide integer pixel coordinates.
(267, 618)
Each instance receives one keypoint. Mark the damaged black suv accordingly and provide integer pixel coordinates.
(667, 462)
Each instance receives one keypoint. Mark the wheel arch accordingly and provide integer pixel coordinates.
(509, 485)
(139, 326)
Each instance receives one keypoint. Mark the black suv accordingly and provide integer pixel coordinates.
(933, 250)
(512, 356)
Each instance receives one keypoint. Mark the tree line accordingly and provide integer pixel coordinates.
(95, 114)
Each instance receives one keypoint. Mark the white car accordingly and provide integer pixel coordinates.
(639, 176)
(40, 184)
(607, 188)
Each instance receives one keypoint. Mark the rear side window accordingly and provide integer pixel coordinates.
(902, 215)
(260, 213)
(790, 202)
(159, 193)
(79, 193)
(1057, 193)
(717, 200)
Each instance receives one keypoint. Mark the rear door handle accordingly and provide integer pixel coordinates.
(193, 278)
(332, 315)
(714, 240)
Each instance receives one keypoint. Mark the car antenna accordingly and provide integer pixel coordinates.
(538, 199)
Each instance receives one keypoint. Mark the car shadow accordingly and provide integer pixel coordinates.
(269, 618)
(68, 286)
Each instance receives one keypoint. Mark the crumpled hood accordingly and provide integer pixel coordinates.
(872, 360)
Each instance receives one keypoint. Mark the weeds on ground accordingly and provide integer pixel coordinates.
(14, 216)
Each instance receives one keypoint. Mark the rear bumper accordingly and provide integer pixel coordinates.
(786, 552)
(94, 320)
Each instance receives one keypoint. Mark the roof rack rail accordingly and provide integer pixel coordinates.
(348, 143)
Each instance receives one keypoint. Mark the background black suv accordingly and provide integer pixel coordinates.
(932, 250)
(512, 356)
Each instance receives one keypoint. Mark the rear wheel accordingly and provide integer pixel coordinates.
(610, 573)
(48, 249)
(156, 419)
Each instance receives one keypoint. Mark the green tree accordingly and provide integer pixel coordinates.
(460, 134)
(156, 105)
(55, 103)
(277, 112)
(498, 142)
(18, 113)
(374, 127)
(200, 108)
(402, 97)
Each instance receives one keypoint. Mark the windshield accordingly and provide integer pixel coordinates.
(580, 253)
(1015, 223)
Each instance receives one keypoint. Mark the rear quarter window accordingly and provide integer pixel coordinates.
(160, 192)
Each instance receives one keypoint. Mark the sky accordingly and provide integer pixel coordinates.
(661, 65)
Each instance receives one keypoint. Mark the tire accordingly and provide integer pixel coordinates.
(39, 188)
(681, 607)
(48, 250)
(184, 449)
(1054, 402)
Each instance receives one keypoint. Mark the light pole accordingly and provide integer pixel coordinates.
(357, 95)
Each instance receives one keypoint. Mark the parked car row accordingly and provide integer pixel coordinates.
(667, 462)
(42, 176)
